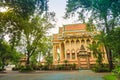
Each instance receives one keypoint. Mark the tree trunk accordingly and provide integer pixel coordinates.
(28, 60)
(3, 64)
(108, 50)
(109, 57)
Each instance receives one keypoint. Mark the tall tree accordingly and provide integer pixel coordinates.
(106, 13)
(18, 11)
(34, 33)
(114, 41)
(25, 21)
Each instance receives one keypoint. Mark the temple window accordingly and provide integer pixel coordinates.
(82, 41)
(88, 41)
(67, 42)
(73, 55)
(68, 55)
(77, 42)
(72, 42)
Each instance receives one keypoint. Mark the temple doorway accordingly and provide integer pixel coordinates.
(83, 58)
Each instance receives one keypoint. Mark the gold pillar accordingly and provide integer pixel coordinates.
(61, 45)
(54, 53)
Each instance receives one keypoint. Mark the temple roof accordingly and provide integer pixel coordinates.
(70, 31)
(75, 27)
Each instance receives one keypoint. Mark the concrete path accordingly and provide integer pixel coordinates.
(53, 75)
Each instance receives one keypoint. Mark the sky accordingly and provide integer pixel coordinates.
(58, 6)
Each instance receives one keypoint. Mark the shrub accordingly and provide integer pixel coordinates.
(2, 70)
(26, 69)
(45, 67)
(97, 69)
(102, 68)
(15, 68)
(117, 68)
(117, 72)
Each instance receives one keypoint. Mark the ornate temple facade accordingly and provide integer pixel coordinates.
(71, 44)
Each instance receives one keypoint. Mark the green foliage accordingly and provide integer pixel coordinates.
(100, 69)
(104, 13)
(49, 60)
(109, 77)
(25, 8)
(114, 41)
(15, 69)
(19, 12)
(7, 54)
(99, 9)
(66, 67)
(95, 47)
(116, 71)
(26, 69)
(66, 61)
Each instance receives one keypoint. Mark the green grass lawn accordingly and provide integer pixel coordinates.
(109, 77)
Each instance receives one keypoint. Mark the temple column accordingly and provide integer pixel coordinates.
(54, 53)
(85, 44)
(61, 45)
(76, 50)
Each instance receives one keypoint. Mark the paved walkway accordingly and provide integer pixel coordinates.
(53, 75)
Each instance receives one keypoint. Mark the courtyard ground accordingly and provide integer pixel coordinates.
(53, 75)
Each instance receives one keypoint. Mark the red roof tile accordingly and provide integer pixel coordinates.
(75, 27)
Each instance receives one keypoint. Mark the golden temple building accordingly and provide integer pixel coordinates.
(71, 44)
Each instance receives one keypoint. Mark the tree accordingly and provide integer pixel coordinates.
(18, 13)
(114, 41)
(96, 49)
(34, 34)
(26, 21)
(105, 13)
(49, 60)
(7, 54)
(46, 50)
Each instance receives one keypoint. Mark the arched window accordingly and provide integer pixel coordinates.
(72, 42)
(77, 42)
(88, 41)
(67, 42)
(68, 54)
(73, 54)
(82, 41)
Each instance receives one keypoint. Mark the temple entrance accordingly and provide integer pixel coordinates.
(83, 58)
